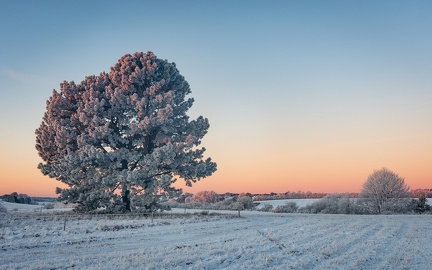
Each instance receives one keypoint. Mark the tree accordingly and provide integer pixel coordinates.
(121, 138)
(383, 188)
(205, 196)
(245, 201)
(14, 197)
(421, 205)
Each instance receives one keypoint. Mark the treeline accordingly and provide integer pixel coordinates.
(341, 204)
(329, 204)
(416, 193)
(215, 197)
(211, 200)
(211, 196)
(296, 195)
(421, 193)
(14, 197)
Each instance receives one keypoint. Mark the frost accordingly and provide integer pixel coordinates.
(208, 241)
(120, 135)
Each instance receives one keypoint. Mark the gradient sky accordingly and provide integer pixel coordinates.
(300, 95)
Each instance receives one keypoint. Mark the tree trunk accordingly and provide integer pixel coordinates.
(125, 190)
(126, 199)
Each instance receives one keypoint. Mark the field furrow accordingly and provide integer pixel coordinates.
(255, 241)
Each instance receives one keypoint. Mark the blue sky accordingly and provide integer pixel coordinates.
(310, 95)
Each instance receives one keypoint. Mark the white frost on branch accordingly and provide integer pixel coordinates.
(125, 134)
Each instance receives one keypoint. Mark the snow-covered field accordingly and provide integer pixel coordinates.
(276, 203)
(254, 241)
(15, 207)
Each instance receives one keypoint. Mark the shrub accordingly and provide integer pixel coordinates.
(3, 208)
(267, 208)
(49, 206)
(331, 204)
(421, 205)
(288, 207)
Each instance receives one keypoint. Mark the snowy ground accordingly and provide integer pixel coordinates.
(15, 207)
(254, 241)
(276, 203)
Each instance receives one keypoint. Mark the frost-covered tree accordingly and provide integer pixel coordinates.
(14, 197)
(205, 196)
(384, 188)
(421, 205)
(245, 201)
(121, 138)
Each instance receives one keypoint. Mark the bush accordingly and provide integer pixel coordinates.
(421, 205)
(3, 208)
(48, 206)
(267, 208)
(288, 207)
(331, 204)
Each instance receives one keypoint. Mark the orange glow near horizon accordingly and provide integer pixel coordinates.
(328, 169)
(314, 171)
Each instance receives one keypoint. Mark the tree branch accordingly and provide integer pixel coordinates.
(118, 184)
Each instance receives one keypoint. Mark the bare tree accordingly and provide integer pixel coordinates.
(383, 188)
(205, 196)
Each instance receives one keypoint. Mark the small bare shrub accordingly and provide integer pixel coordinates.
(49, 206)
(117, 227)
(3, 208)
(204, 213)
(104, 228)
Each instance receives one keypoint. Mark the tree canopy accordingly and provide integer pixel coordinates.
(121, 138)
(382, 188)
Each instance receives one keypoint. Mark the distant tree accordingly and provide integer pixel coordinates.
(14, 197)
(245, 201)
(205, 197)
(421, 205)
(384, 188)
(182, 197)
(121, 138)
(246, 194)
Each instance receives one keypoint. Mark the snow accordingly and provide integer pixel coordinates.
(19, 207)
(276, 203)
(254, 241)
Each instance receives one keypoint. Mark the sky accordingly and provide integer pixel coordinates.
(300, 95)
